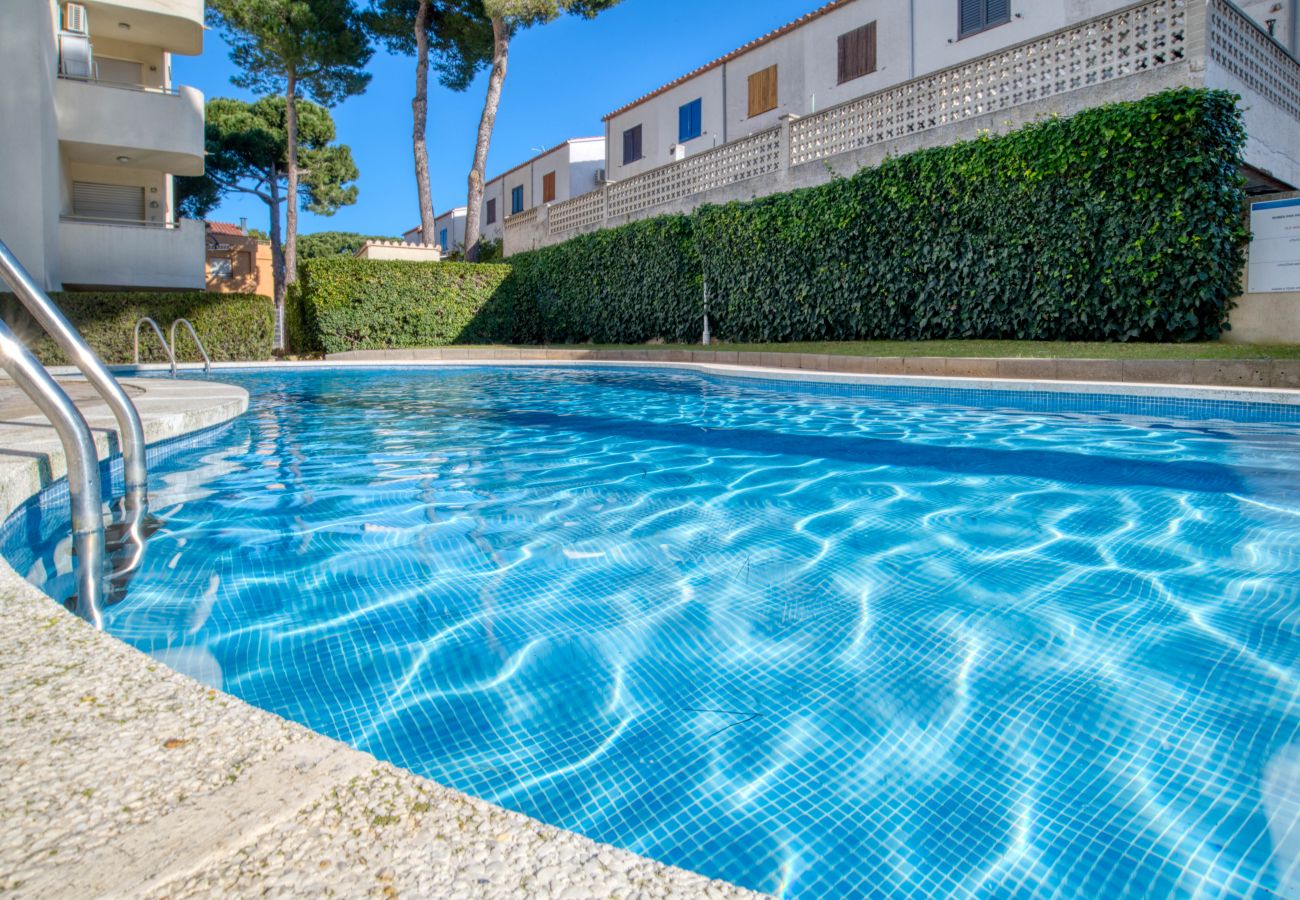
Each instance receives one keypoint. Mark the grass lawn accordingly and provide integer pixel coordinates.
(1003, 349)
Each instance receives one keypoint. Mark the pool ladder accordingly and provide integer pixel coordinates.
(169, 347)
(78, 443)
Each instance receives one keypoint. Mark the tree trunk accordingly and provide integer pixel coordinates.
(277, 257)
(500, 53)
(291, 195)
(420, 115)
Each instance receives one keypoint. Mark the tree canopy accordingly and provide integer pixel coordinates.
(335, 243)
(459, 32)
(247, 149)
(321, 45)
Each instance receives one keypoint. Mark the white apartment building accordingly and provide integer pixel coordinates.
(845, 50)
(93, 131)
(570, 169)
(448, 229)
(854, 82)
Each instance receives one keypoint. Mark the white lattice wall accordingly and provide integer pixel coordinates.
(759, 154)
(1240, 46)
(1125, 43)
(580, 212)
(527, 217)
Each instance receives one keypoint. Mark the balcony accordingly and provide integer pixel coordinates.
(132, 255)
(174, 25)
(102, 124)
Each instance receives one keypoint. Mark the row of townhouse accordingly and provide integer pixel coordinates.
(854, 81)
(93, 131)
(573, 168)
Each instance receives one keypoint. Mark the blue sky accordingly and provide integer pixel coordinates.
(563, 78)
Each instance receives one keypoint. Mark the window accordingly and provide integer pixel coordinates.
(221, 268)
(632, 145)
(979, 15)
(548, 187)
(516, 200)
(762, 91)
(442, 240)
(492, 211)
(108, 202)
(857, 53)
(690, 124)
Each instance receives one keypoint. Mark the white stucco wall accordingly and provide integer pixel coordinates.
(454, 222)
(29, 155)
(96, 255)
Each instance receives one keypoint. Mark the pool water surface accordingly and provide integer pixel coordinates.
(827, 641)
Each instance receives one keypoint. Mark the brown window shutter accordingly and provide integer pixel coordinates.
(548, 187)
(762, 91)
(857, 53)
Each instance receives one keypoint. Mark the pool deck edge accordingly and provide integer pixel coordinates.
(126, 778)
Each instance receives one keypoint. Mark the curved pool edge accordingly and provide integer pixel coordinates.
(129, 778)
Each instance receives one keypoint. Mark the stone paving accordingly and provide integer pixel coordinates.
(124, 778)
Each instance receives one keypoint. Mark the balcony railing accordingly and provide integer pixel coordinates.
(122, 86)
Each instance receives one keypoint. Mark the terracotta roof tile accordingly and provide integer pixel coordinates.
(225, 228)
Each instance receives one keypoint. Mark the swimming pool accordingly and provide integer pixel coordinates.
(828, 640)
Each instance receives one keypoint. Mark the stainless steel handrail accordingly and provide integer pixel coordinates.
(207, 363)
(129, 428)
(83, 468)
(162, 339)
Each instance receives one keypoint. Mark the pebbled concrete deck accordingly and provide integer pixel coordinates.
(124, 778)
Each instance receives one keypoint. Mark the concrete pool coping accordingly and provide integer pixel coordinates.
(126, 778)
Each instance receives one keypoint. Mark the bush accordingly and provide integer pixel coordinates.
(359, 304)
(1123, 222)
(626, 285)
(232, 326)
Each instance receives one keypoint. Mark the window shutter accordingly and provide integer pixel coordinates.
(857, 53)
(492, 211)
(997, 12)
(972, 16)
(762, 91)
(683, 123)
(548, 187)
(632, 145)
(117, 202)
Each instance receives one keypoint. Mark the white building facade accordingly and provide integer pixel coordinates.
(94, 130)
(842, 51)
(857, 81)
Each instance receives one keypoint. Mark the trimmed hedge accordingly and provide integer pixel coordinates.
(357, 304)
(624, 285)
(232, 326)
(1122, 222)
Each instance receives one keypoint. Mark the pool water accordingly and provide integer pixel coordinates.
(828, 641)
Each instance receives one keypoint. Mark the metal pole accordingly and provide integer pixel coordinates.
(83, 469)
(130, 430)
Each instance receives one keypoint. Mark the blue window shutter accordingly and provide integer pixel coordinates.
(517, 200)
(442, 239)
(690, 121)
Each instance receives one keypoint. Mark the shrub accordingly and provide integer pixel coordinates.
(232, 326)
(359, 304)
(632, 284)
(1120, 223)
